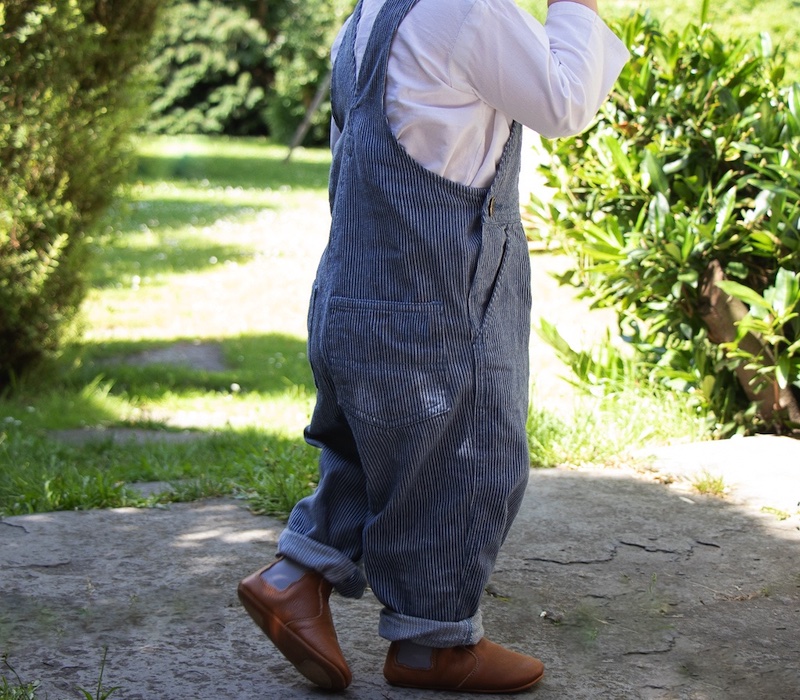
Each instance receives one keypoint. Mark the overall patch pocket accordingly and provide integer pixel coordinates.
(388, 360)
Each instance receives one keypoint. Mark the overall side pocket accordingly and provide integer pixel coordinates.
(388, 360)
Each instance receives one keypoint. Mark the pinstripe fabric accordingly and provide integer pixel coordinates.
(418, 339)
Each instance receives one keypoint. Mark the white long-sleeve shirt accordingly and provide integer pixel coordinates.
(461, 71)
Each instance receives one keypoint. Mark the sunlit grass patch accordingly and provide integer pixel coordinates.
(209, 223)
(254, 379)
(610, 429)
(187, 260)
(709, 484)
(150, 256)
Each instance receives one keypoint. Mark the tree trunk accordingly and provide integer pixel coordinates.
(300, 132)
(720, 312)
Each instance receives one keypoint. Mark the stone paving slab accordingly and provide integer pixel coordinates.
(625, 587)
(763, 470)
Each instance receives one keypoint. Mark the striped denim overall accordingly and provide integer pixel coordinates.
(418, 340)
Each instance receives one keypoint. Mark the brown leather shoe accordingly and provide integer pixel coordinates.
(485, 667)
(298, 621)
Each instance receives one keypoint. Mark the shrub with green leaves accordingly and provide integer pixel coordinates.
(681, 206)
(300, 55)
(243, 67)
(68, 101)
(211, 71)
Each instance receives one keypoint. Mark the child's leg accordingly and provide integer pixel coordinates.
(325, 530)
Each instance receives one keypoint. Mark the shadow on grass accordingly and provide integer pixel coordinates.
(259, 170)
(168, 211)
(161, 236)
(77, 447)
(194, 185)
(269, 365)
(116, 263)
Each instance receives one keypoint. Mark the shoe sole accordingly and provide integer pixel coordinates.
(493, 691)
(310, 663)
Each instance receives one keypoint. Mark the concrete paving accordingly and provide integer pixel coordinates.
(624, 585)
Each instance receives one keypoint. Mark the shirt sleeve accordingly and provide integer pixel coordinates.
(552, 78)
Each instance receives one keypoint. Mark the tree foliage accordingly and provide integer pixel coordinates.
(242, 67)
(692, 166)
(67, 105)
(210, 69)
(300, 55)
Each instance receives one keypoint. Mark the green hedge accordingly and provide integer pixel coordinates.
(300, 55)
(67, 105)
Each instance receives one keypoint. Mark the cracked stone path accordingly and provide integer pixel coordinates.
(625, 587)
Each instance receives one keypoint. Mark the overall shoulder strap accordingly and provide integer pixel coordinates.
(343, 77)
(372, 75)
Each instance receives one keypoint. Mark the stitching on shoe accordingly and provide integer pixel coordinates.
(474, 670)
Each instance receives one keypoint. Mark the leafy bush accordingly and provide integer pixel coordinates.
(210, 69)
(67, 102)
(243, 67)
(300, 56)
(680, 203)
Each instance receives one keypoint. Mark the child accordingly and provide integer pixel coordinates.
(418, 331)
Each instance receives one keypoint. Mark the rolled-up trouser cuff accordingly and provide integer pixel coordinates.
(346, 576)
(433, 633)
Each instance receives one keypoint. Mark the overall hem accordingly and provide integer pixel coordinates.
(345, 576)
(432, 633)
